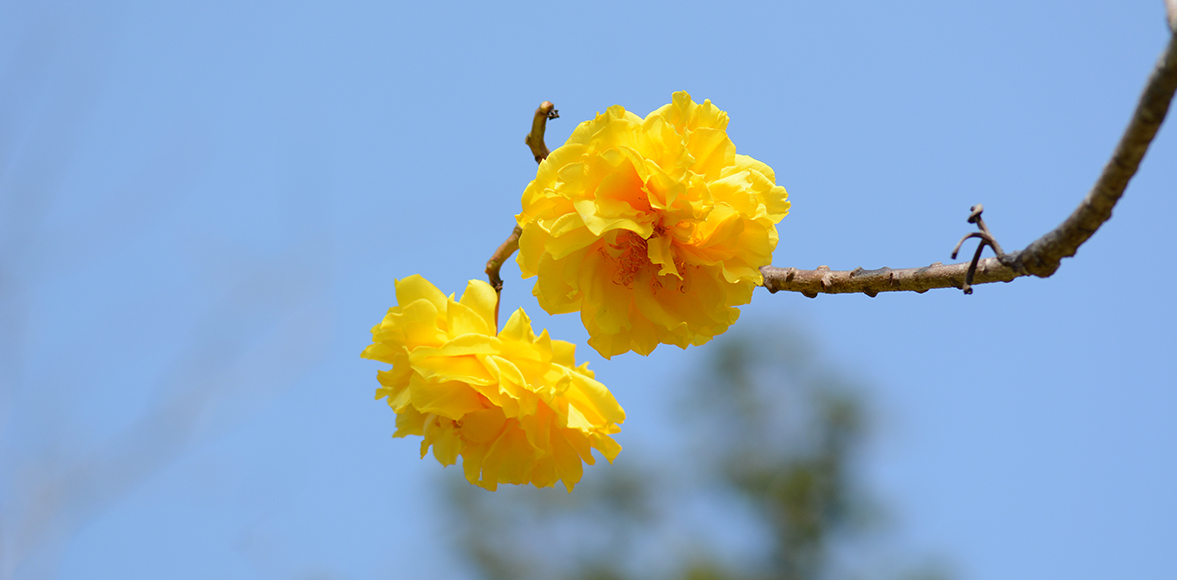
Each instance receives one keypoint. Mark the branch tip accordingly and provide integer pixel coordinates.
(539, 123)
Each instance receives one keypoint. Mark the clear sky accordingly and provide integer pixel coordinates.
(203, 209)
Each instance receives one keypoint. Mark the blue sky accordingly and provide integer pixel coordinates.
(203, 209)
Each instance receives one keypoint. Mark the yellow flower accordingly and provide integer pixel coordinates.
(653, 229)
(515, 406)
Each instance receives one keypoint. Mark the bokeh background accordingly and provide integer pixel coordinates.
(203, 208)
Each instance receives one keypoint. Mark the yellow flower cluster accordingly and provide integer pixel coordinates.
(654, 229)
(514, 406)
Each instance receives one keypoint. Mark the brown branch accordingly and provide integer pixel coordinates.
(871, 282)
(1041, 258)
(535, 139)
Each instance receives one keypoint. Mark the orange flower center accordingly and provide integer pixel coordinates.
(629, 251)
(630, 254)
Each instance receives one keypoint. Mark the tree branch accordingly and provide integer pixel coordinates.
(871, 282)
(1041, 258)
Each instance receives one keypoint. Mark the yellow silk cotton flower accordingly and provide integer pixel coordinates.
(654, 229)
(514, 406)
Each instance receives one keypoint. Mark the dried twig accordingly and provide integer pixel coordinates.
(1041, 258)
(499, 258)
(534, 140)
(987, 239)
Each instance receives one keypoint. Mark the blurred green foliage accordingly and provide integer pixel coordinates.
(760, 484)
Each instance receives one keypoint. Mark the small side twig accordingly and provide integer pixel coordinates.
(535, 139)
(986, 238)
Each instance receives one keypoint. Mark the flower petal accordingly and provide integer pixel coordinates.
(481, 298)
(451, 399)
(415, 288)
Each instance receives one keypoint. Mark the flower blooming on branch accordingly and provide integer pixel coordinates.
(654, 229)
(513, 405)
